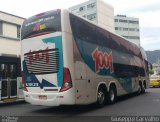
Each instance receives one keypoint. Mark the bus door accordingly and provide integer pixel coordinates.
(8, 81)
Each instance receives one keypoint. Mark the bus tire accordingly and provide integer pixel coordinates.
(112, 95)
(101, 97)
(141, 88)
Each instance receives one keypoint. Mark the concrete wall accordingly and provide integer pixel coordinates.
(11, 18)
(128, 25)
(105, 15)
(9, 42)
(9, 46)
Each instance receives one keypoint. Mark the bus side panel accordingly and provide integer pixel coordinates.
(68, 63)
(80, 70)
(107, 56)
(68, 52)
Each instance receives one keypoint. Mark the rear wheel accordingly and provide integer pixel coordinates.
(101, 97)
(141, 88)
(112, 95)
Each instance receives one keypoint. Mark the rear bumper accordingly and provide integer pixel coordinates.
(53, 99)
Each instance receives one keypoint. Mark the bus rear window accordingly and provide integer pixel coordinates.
(41, 24)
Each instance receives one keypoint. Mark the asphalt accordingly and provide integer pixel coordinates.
(147, 104)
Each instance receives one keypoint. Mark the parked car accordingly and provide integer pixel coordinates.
(155, 81)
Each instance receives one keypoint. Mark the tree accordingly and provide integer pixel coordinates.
(151, 72)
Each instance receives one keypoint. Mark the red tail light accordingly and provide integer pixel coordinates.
(67, 81)
(24, 83)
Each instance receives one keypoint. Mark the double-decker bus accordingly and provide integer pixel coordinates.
(69, 60)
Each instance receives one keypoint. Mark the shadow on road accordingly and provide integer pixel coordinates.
(67, 110)
(130, 96)
(78, 109)
(12, 103)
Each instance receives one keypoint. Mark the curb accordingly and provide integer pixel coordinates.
(12, 103)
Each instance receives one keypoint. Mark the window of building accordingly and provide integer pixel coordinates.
(1, 28)
(91, 16)
(134, 37)
(84, 16)
(125, 37)
(116, 28)
(115, 20)
(121, 20)
(75, 10)
(133, 22)
(131, 37)
(131, 29)
(82, 8)
(125, 29)
(18, 31)
(92, 5)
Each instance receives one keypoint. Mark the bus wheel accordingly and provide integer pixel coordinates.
(112, 95)
(141, 88)
(101, 97)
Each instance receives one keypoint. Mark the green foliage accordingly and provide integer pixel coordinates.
(153, 56)
(151, 72)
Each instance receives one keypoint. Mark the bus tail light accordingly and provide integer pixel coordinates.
(24, 83)
(67, 81)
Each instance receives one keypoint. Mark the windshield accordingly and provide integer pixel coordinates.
(41, 24)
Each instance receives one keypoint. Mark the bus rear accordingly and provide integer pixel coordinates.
(45, 78)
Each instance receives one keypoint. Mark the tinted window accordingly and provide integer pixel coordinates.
(127, 58)
(41, 24)
(1, 28)
(84, 31)
(18, 31)
(124, 70)
(99, 36)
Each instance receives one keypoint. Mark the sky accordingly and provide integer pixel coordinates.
(148, 12)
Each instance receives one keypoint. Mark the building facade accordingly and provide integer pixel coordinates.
(10, 48)
(10, 34)
(103, 14)
(128, 27)
(97, 11)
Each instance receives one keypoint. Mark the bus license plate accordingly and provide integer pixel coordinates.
(42, 97)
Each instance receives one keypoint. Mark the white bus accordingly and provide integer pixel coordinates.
(68, 60)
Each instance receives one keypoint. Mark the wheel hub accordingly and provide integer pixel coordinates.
(112, 95)
(101, 97)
